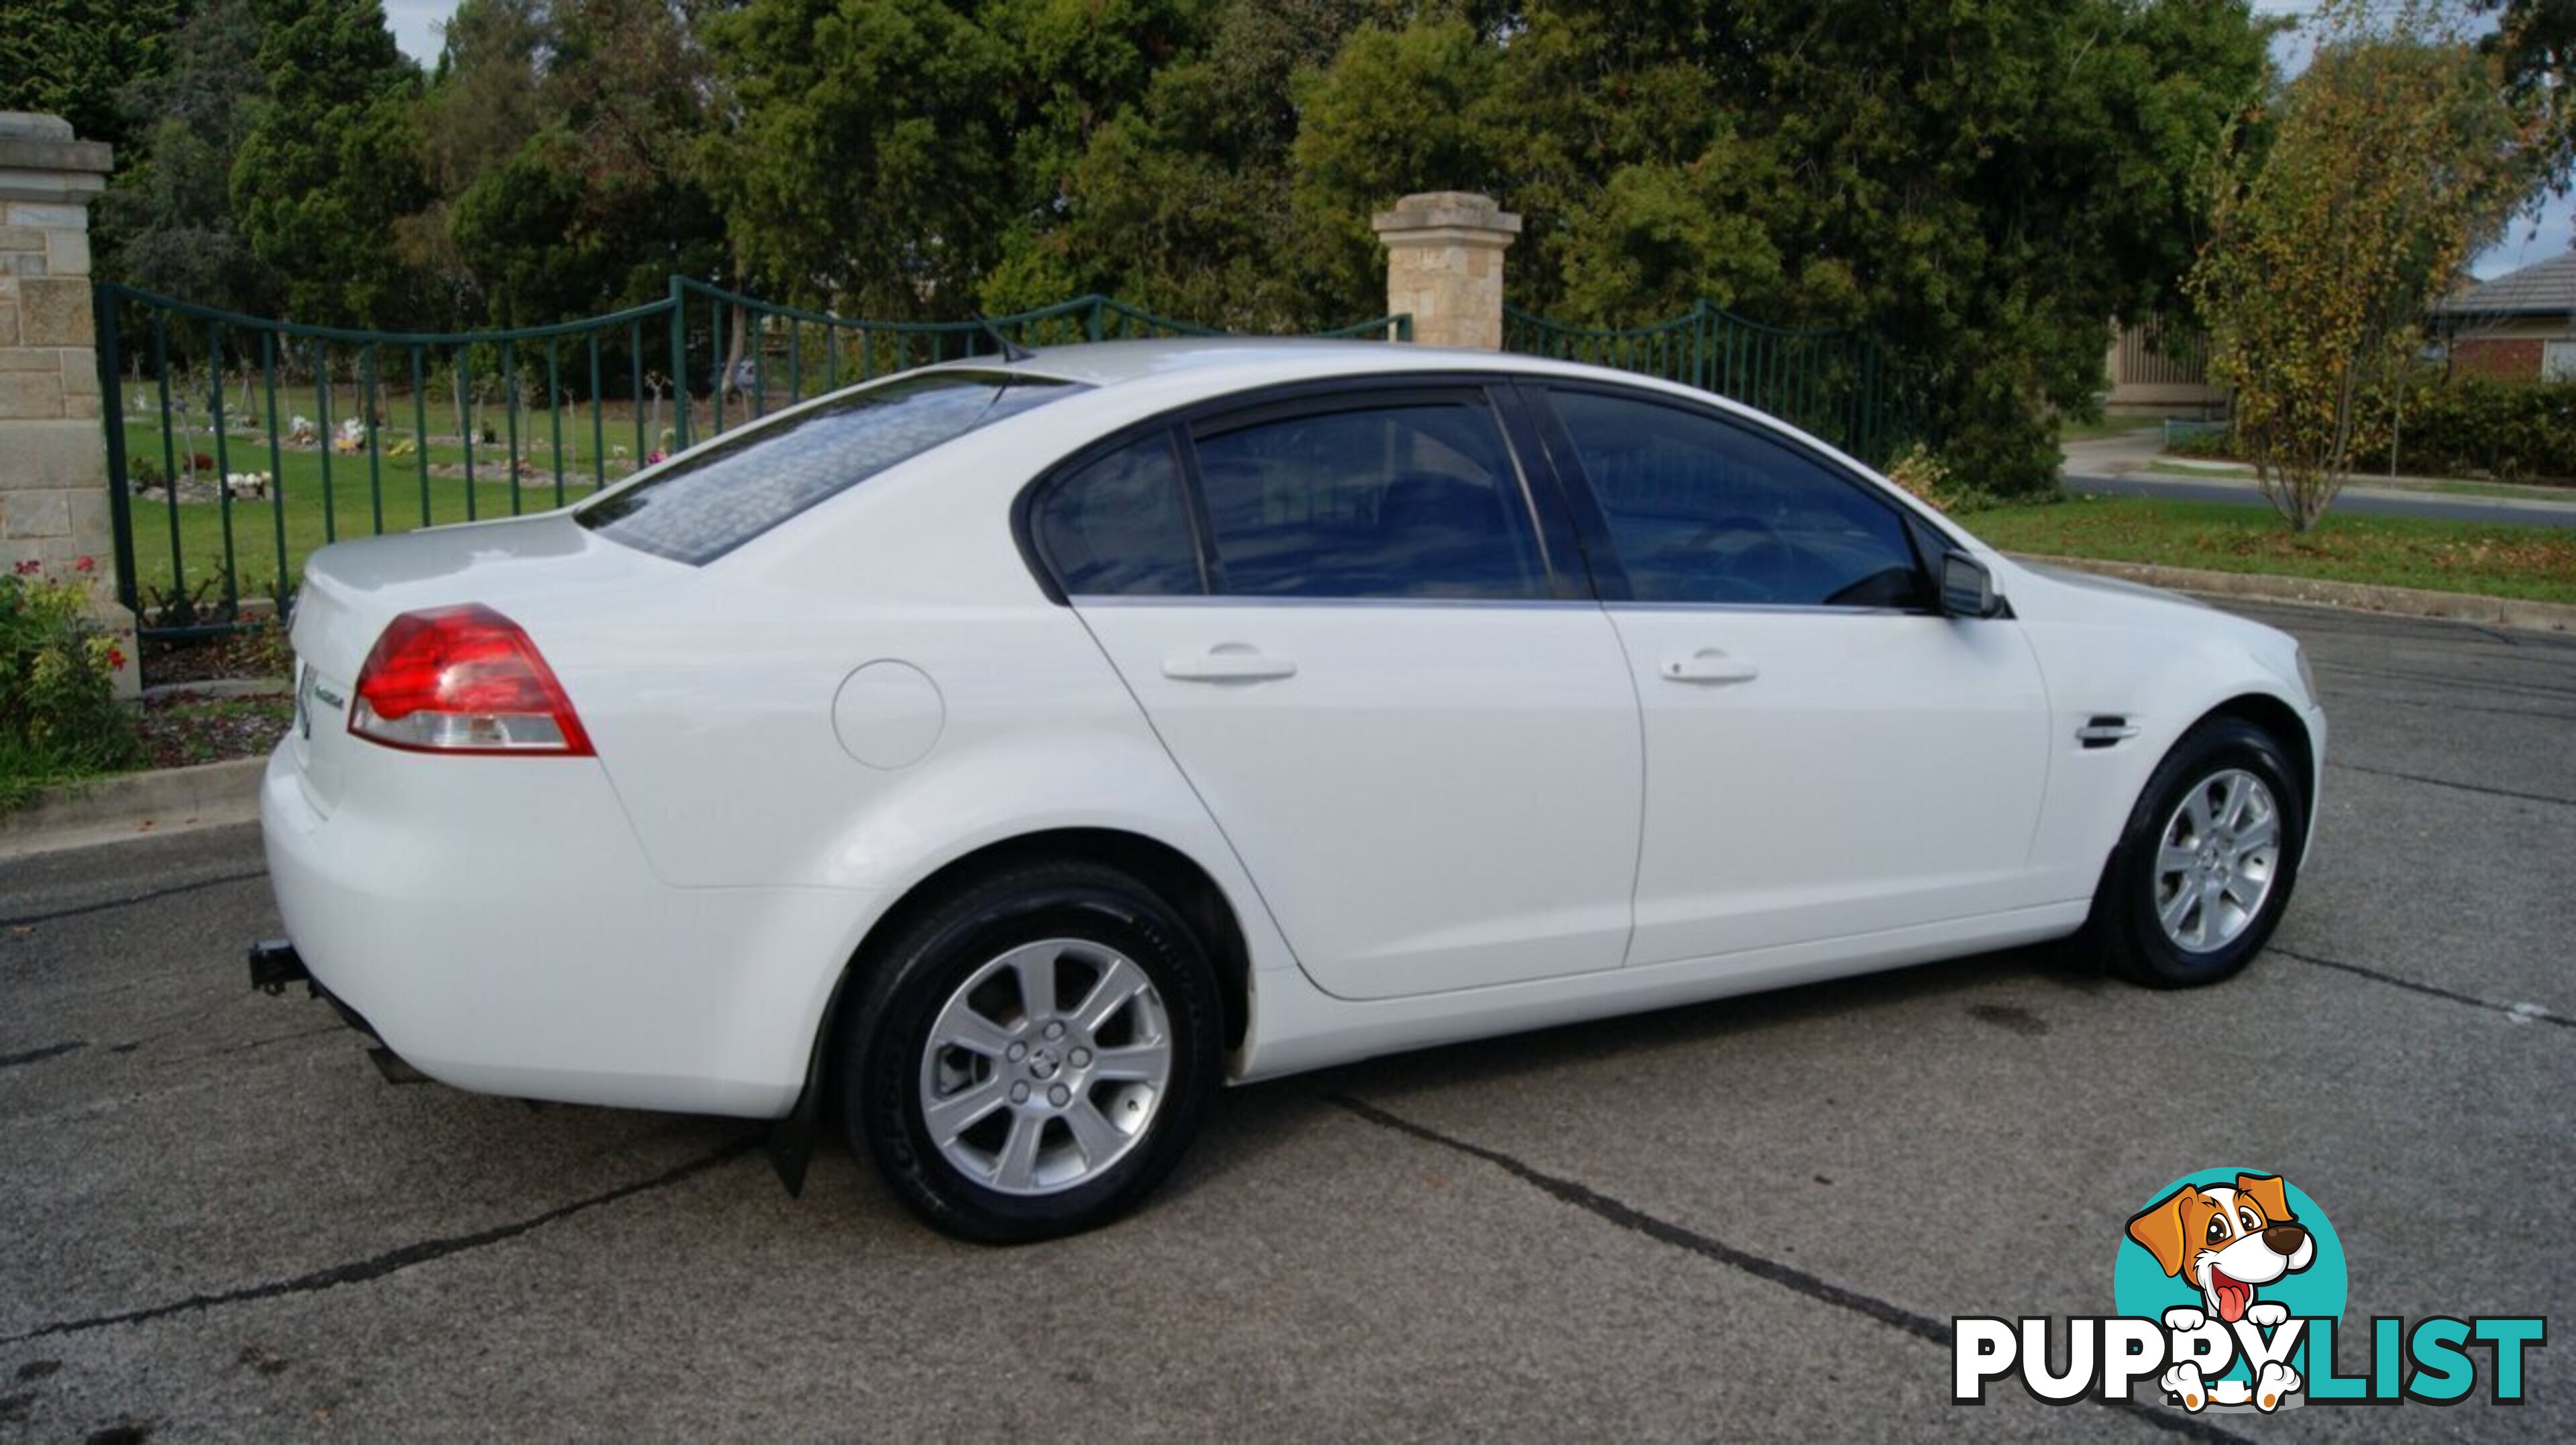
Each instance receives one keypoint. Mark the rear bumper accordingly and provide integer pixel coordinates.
(496, 924)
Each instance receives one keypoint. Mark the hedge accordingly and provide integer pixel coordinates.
(2514, 431)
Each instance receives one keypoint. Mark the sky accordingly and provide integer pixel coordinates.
(416, 26)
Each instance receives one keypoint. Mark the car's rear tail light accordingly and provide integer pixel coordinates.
(463, 680)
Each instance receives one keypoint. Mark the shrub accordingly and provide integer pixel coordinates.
(2218, 443)
(179, 606)
(59, 718)
(1922, 472)
(2511, 430)
(2514, 431)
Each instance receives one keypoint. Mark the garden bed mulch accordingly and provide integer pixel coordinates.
(256, 651)
(182, 729)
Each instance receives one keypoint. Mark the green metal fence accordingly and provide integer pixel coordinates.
(1839, 385)
(238, 445)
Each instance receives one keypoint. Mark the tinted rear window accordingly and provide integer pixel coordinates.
(1120, 527)
(1407, 499)
(703, 506)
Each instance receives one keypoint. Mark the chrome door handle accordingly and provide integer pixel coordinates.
(1231, 662)
(1709, 664)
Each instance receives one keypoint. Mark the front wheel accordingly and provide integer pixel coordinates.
(2206, 864)
(1032, 1056)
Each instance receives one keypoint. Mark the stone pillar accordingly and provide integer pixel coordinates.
(1444, 264)
(53, 455)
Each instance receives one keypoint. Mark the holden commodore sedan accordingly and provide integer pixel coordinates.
(1003, 756)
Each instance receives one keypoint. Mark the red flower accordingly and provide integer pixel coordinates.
(30, 567)
(86, 564)
(116, 659)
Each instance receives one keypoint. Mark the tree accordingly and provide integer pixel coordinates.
(1185, 201)
(889, 155)
(2398, 152)
(560, 141)
(2535, 41)
(1984, 183)
(167, 222)
(479, 105)
(331, 162)
(71, 57)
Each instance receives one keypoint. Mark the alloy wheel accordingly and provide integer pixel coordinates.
(1046, 1066)
(2216, 861)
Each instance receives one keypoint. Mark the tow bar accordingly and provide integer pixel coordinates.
(274, 964)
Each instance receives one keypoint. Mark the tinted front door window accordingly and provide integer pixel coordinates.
(1704, 510)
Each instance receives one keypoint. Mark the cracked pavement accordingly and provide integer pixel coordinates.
(1751, 1217)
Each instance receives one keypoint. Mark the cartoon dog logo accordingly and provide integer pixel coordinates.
(2228, 1242)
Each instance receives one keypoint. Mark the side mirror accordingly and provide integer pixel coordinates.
(1967, 588)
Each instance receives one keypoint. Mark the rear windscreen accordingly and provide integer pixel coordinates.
(704, 505)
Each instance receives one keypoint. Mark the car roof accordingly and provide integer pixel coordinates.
(1186, 367)
(1226, 362)
(1107, 363)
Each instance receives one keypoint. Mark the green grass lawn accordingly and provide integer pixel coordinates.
(2538, 563)
(392, 496)
(302, 514)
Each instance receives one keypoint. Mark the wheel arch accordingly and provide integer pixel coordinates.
(1173, 875)
(1178, 879)
(2276, 717)
(2270, 712)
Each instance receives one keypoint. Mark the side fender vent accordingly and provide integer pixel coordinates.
(2103, 730)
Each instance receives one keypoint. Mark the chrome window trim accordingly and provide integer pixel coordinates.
(1112, 599)
(1822, 609)
(1184, 599)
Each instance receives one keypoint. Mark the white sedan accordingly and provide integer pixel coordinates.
(1004, 755)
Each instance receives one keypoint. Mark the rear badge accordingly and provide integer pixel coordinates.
(306, 696)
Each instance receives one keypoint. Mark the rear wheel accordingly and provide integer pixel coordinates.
(1032, 1056)
(2206, 864)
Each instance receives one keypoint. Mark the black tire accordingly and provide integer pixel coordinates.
(917, 975)
(2124, 931)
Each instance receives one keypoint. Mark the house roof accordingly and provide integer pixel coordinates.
(2545, 289)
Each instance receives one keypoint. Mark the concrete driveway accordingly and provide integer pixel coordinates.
(1749, 1218)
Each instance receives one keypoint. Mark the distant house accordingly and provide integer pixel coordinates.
(2520, 325)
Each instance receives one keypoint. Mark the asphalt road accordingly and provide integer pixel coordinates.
(1749, 1218)
(2356, 502)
